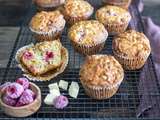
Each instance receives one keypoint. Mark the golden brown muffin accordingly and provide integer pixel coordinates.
(114, 18)
(77, 10)
(47, 25)
(101, 76)
(121, 3)
(131, 49)
(43, 60)
(88, 37)
(48, 4)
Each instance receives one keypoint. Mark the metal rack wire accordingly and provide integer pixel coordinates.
(123, 105)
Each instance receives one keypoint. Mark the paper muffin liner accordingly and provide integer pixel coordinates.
(101, 92)
(51, 6)
(131, 63)
(46, 36)
(114, 29)
(119, 3)
(88, 50)
(72, 20)
(47, 76)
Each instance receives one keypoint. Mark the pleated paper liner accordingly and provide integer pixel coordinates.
(88, 49)
(47, 76)
(115, 29)
(121, 3)
(101, 92)
(46, 36)
(131, 63)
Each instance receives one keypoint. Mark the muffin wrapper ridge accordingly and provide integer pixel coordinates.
(49, 75)
(114, 29)
(46, 36)
(119, 3)
(131, 64)
(88, 50)
(101, 92)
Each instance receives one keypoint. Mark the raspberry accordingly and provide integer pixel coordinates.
(9, 101)
(24, 82)
(14, 90)
(4, 86)
(61, 102)
(26, 98)
(49, 55)
(27, 55)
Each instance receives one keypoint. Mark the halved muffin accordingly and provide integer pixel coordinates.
(43, 58)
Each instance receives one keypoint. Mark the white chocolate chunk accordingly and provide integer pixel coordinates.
(63, 84)
(49, 99)
(54, 92)
(74, 89)
(53, 86)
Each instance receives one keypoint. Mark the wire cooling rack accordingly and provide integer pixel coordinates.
(123, 105)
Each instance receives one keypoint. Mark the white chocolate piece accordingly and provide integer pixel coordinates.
(74, 89)
(63, 84)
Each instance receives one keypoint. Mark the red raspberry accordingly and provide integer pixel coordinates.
(14, 90)
(9, 101)
(48, 56)
(27, 55)
(61, 102)
(26, 98)
(4, 86)
(24, 82)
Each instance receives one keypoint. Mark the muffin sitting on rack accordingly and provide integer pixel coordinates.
(48, 4)
(47, 26)
(42, 61)
(131, 49)
(88, 37)
(121, 3)
(115, 19)
(101, 76)
(77, 10)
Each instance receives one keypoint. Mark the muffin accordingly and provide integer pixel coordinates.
(48, 4)
(47, 26)
(115, 19)
(121, 3)
(88, 37)
(77, 10)
(42, 61)
(131, 49)
(101, 76)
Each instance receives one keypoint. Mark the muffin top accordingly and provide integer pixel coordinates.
(131, 44)
(47, 21)
(49, 3)
(78, 8)
(101, 70)
(88, 32)
(113, 15)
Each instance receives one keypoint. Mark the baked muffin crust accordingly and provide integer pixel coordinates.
(113, 15)
(78, 8)
(47, 21)
(131, 44)
(88, 32)
(101, 70)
